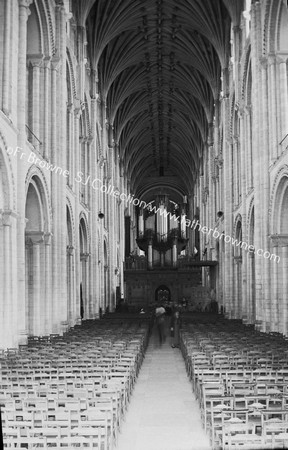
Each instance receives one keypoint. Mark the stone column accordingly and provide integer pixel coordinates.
(84, 257)
(8, 312)
(70, 146)
(48, 325)
(248, 146)
(6, 89)
(252, 288)
(275, 282)
(183, 225)
(47, 117)
(243, 191)
(141, 222)
(174, 253)
(21, 168)
(36, 61)
(150, 255)
(36, 318)
(273, 144)
(94, 207)
(36, 310)
(248, 298)
(281, 60)
(54, 198)
(284, 305)
(256, 52)
(282, 279)
(228, 219)
(70, 286)
(265, 194)
(62, 129)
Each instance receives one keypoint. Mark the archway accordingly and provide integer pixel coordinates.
(162, 294)
(39, 313)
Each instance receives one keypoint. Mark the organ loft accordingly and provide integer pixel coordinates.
(143, 166)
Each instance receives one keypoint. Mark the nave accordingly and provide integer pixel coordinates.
(163, 413)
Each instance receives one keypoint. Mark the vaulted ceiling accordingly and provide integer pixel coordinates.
(159, 65)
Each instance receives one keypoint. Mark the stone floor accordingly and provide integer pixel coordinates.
(163, 413)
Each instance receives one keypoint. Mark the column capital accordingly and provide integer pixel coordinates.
(36, 60)
(55, 62)
(102, 162)
(238, 260)
(46, 61)
(70, 250)
(59, 5)
(70, 108)
(219, 161)
(6, 217)
(247, 109)
(24, 8)
(279, 240)
(84, 256)
(263, 62)
(281, 57)
(271, 59)
(34, 237)
(47, 238)
(24, 3)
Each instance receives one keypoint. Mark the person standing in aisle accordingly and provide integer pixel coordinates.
(160, 323)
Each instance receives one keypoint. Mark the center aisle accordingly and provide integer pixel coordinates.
(163, 413)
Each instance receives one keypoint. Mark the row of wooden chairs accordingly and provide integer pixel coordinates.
(240, 378)
(71, 391)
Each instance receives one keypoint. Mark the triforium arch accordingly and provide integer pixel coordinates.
(275, 31)
(40, 50)
(84, 268)
(37, 239)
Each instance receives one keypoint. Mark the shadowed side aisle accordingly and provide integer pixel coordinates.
(163, 413)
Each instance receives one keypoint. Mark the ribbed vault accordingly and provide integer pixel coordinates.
(159, 65)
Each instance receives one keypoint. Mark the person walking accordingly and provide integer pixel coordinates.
(160, 323)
